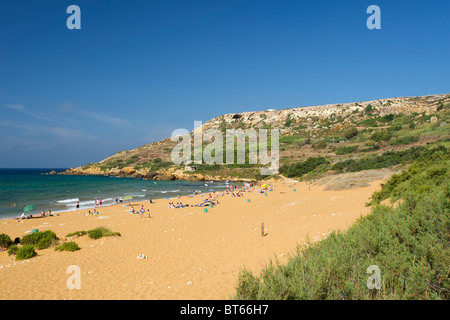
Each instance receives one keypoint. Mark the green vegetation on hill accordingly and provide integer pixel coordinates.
(347, 136)
(409, 244)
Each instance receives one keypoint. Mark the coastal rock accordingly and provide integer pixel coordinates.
(164, 177)
(127, 171)
(196, 177)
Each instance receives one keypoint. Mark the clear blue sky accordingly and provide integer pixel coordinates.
(137, 70)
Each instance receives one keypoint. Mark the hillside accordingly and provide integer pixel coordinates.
(314, 141)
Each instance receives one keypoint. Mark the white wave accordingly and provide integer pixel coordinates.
(85, 203)
(68, 200)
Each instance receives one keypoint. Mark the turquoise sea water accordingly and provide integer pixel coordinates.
(60, 193)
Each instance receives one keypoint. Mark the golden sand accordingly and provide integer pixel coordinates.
(190, 254)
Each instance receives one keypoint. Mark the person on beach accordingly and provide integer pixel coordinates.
(78, 205)
(42, 213)
(148, 213)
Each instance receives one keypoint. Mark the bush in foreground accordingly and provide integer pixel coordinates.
(68, 246)
(26, 252)
(97, 233)
(40, 239)
(409, 244)
(5, 241)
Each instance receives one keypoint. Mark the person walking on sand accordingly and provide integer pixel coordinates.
(148, 213)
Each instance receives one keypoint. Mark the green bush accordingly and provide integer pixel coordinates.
(40, 239)
(387, 159)
(351, 133)
(5, 241)
(13, 249)
(381, 136)
(26, 252)
(97, 233)
(397, 127)
(345, 150)
(76, 234)
(404, 140)
(408, 243)
(304, 167)
(431, 169)
(68, 246)
(320, 145)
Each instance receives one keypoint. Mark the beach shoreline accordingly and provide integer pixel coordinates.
(191, 253)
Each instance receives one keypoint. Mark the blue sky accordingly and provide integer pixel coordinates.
(137, 70)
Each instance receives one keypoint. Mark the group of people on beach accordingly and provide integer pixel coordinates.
(141, 211)
(30, 216)
(94, 213)
(179, 205)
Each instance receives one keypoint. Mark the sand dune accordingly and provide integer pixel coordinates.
(190, 254)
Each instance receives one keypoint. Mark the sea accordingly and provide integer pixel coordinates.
(60, 193)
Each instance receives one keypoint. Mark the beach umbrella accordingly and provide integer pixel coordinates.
(28, 208)
(264, 185)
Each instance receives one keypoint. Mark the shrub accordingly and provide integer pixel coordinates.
(68, 246)
(368, 109)
(304, 167)
(26, 252)
(388, 159)
(13, 249)
(97, 233)
(40, 239)
(345, 150)
(404, 140)
(76, 233)
(5, 241)
(351, 133)
(320, 145)
(397, 127)
(381, 136)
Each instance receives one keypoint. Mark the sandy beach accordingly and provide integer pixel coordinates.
(191, 254)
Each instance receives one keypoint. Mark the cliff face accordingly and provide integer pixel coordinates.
(312, 117)
(153, 161)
